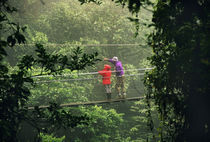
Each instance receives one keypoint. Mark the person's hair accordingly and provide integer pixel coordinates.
(115, 58)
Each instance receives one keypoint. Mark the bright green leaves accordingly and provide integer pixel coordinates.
(67, 22)
(51, 138)
(103, 125)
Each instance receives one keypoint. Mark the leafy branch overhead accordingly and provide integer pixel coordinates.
(79, 61)
(88, 1)
(17, 36)
(53, 64)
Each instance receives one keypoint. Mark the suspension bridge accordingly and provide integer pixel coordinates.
(54, 79)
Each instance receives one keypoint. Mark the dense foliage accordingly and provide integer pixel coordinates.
(66, 21)
(14, 86)
(179, 84)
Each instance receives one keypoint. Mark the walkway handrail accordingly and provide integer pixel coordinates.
(90, 73)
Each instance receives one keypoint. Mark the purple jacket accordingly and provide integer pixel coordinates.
(118, 67)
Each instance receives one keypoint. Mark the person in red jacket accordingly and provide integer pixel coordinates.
(106, 73)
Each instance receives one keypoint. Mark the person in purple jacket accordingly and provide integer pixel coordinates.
(120, 78)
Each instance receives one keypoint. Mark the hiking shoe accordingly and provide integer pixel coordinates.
(119, 96)
(124, 95)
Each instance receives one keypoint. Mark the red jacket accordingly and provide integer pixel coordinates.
(106, 73)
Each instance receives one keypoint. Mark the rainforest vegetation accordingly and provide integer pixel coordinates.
(51, 50)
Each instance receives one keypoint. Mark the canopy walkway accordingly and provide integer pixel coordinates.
(57, 80)
(93, 102)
